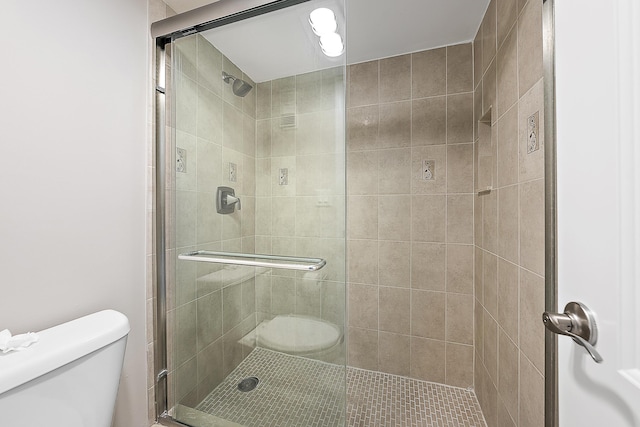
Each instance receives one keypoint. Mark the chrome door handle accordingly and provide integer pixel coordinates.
(578, 322)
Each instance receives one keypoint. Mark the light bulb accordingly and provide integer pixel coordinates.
(323, 21)
(331, 44)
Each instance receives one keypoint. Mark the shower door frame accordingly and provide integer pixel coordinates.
(550, 213)
(164, 32)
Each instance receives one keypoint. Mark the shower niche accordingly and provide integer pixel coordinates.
(486, 155)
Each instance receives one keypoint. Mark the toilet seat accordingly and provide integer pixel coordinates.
(297, 334)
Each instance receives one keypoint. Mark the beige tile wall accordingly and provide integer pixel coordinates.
(509, 221)
(300, 127)
(216, 128)
(410, 241)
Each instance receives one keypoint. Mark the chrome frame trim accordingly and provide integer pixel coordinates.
(160, 315)
(214, 15)
(550, 220)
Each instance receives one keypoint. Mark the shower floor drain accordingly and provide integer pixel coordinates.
(248, 384)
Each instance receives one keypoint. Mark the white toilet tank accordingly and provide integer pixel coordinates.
(69, 377)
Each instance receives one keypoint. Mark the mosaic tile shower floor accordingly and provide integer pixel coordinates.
(300, 392)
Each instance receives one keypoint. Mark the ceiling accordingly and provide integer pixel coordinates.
(281, 43)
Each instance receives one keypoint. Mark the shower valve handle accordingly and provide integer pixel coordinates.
(226, 200)
(232, 199)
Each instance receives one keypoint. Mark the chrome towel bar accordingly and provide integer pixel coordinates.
(255, 260)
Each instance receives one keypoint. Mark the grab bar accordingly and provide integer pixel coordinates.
(271, 261)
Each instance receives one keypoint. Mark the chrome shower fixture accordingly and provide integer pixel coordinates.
(239, 87)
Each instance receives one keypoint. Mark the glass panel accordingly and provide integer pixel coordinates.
(258, 111)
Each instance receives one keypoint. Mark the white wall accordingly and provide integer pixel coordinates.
(73, 77)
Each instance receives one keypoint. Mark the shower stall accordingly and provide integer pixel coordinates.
(251, 215)
(267, 136)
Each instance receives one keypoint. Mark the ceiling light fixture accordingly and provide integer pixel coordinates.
(324, 25)
(331, 44)
(323, 21)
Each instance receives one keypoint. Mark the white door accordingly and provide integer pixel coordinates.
(598, 153)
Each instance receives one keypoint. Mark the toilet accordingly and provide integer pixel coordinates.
(69, 377)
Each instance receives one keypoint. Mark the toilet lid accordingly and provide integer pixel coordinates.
(296, 334)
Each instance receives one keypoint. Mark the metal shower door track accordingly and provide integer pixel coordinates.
(214, 15)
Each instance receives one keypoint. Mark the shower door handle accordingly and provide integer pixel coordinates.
(577, 322)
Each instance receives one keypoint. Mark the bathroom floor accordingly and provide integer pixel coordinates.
(295, 391)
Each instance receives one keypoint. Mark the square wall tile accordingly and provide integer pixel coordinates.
(460, 219)
(362, 261)
(460, 269)
(459, 365)
(428, 314)
(428, 220)
(460, 168)
(532, 226)
(460, 68)
(429, 73)
(490, 334)
(460, 118)
(507, 73)
(428, 359)
(490, 221)
(532, 331)
(459, 323)
(394, 171)
(508, 148)
(393, 212)
(531, 395)
(394, 127)
(478, 69)
(395, 78)
(429, 121)
(530, 46)
(394, 315)
(394, 264)
(263, 139)
(394, 353)
(363, 84)
(363, 348)
(490, 283)
(508, 298)
(489, 35)
(363, 306)
(478, 329)
(283, 97)
(263, 100)
(508, 374)
(209, 165)
(428, 266)
(362, 218)
(508, 214)
(362, 172)
(507, 12)
(209, 122)
(489, 91)
(362, 128)
(478, 275)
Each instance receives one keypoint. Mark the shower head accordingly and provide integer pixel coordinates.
(239, 87)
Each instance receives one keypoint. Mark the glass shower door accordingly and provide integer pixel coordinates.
(256, 290)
